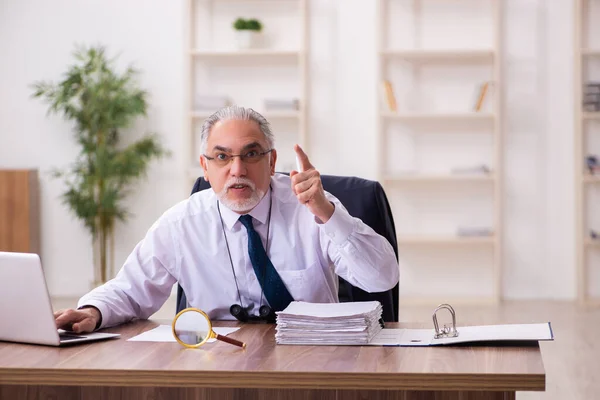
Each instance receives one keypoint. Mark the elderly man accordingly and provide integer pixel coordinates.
(257, 239)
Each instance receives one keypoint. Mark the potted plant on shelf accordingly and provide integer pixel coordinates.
(247, 31)
(101, 103)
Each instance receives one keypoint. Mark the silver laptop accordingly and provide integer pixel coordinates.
(25, 308)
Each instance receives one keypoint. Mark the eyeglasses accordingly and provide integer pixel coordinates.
(251, 157)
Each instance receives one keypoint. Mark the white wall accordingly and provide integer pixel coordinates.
(36, 42)
(539, 187)
(37, 37)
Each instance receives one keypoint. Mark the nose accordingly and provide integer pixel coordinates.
(237, 168)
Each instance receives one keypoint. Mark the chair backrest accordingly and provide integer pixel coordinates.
(366, 200)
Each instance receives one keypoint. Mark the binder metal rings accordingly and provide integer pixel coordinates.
(445, 332)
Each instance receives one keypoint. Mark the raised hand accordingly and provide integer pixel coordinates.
(308, 187)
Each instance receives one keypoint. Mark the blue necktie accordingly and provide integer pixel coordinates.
(273, 287)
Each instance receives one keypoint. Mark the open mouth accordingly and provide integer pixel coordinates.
(239, 188)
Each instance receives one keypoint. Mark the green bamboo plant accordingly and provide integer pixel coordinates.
(101, 102)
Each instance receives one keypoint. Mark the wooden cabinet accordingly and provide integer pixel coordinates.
(19, 211)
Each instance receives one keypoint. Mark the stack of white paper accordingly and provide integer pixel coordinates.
(328, 323)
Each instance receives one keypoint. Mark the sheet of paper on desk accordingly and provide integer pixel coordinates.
(163, 333)
(466, 334)
(403, 337)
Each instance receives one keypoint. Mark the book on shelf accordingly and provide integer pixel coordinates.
(388, 97)
(474, 231)
(591, 97)
(281, 104)
(591, 162)
(211, 103)
(482, 95)
(471, 170)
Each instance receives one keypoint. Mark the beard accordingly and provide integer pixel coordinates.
(240, 205)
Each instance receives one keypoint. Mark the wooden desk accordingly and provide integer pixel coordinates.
(126, 370)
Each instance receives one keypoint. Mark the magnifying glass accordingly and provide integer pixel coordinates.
(192, 328)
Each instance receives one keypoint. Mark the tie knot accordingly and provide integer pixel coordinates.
(246, 220)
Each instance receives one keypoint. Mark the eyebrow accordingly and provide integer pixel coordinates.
(246, 147)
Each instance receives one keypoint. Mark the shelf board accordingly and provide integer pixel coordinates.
(590, 115)
(444, 240)
(590, 53)
(244, 53)
(428, 301)
(438, 178)
(443, 117)
(592, 242)
(266, 114)
(592, 301)
(441, 55)
(587, 178)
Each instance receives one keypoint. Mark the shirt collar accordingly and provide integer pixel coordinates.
(260, 212)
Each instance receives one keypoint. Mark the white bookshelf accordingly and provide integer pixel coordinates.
(276, 68)
(413, 44)
(587, 141)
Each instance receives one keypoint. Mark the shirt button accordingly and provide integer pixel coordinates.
(332, 235)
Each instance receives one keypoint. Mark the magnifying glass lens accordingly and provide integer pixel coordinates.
(192, 328)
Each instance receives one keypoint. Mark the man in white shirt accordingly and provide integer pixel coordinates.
(256, 239)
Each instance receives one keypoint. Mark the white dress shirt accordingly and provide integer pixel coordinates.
(187, 245)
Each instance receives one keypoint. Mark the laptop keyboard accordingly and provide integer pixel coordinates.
(66, 336)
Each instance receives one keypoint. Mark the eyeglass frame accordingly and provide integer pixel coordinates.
(260, 154)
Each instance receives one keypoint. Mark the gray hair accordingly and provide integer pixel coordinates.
(236, 113)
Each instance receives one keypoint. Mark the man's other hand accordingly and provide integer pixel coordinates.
(78, 321)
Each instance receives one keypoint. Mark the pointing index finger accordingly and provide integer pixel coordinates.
(302, 159)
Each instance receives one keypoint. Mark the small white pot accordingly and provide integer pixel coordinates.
(246, 39)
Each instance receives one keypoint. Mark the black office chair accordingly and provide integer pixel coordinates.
(364, 199)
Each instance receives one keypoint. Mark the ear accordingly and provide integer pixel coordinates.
(204, 165)
(273, 160)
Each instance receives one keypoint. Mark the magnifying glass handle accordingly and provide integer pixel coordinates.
(231, 341)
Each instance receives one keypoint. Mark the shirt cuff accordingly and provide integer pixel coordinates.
(340, 226)
(101, 308)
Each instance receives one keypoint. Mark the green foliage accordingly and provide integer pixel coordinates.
(102, 103)
(239, 24)
(247, 24)
(254, 25)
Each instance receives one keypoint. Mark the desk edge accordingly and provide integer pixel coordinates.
(274, 379)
